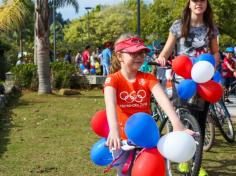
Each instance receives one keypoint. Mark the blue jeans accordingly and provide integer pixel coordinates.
(106, 70)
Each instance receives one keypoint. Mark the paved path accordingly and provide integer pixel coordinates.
(232, 107)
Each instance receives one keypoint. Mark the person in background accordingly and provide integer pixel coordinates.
(86, 57)
(228, 71)
(195, 33)
(99, 59)
(78, 59)
(68, 57)
(106, 59)
(21, 59)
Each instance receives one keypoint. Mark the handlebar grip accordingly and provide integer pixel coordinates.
(168, 65)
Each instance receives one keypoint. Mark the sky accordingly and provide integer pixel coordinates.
(69, 12)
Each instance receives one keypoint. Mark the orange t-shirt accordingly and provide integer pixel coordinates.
(132, 97)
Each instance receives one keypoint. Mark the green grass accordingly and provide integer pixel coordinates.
(50, 135)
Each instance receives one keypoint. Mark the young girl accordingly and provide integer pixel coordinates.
(194, 34)
(228, 71)
(127, 91)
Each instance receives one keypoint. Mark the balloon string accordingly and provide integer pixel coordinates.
(113, 162)
(139, 153)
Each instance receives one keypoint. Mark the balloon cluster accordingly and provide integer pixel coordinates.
(85, 71)
(141, 129)
(100, 154)
(200, 77)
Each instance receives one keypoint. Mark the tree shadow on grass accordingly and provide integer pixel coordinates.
(6, 124)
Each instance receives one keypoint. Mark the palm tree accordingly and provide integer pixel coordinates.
(42, 40)
(12, 14)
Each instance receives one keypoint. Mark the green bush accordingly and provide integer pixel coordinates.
(62, 73)
(26, 76)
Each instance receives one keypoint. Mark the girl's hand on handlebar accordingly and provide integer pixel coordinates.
(192, 133)
(113, 141)
(161, 60)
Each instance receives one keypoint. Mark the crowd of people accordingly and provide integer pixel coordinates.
(92, 62)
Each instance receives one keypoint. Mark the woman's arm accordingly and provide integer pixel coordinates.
(167, 50)
(113, 140)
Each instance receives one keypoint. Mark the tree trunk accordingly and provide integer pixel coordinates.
(42, 39)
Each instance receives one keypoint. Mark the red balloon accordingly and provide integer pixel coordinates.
(99, 124)
(149, 163)
(182, 65)
(210, 91)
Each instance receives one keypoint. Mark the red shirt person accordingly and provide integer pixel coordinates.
(86, 56)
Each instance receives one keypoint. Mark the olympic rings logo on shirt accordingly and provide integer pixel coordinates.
(133, 96)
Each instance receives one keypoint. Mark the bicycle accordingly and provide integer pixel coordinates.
(222, 120)
(182, 110)
(232, 88)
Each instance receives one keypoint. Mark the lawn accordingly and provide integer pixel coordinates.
(50, 135)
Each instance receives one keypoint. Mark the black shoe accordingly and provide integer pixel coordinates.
(228, 101)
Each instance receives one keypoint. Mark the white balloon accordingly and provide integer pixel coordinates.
(202, 71)
(85, 71)
(177, 146)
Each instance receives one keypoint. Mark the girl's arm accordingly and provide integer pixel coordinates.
(230, 67)
(168, 108)
(167, 50)
(113, 140)
(215, 49)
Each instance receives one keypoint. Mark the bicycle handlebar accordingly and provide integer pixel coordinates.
(167, 66)
(126, 145)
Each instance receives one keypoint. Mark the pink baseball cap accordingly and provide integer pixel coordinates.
(131, 45)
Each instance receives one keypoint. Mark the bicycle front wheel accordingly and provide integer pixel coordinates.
(209, 133)
(223, 122)
(191, 123)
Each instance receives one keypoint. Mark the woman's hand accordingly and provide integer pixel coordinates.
(161, 60)
(113, 140)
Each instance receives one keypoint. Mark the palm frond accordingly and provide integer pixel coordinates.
(63, 3)
(12, 14)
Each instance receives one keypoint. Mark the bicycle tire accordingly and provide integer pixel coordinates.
(209, 137)
(233, 88)
(190, 122)
(224, 122)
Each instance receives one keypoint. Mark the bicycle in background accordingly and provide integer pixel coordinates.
(218, 116)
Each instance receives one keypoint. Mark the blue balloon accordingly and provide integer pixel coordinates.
(142, 130)
(207, 57)
(217, 77)
(82, 67)
(100, 154)
(186, 89)
(93, 71)
(194, 60)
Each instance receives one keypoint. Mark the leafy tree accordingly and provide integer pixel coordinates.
(105, 25)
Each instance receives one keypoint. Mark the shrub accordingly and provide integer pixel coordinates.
(26, 76)
(62, 73)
